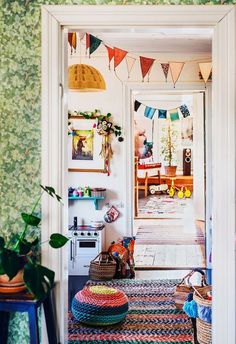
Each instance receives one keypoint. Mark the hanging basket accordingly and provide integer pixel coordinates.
(185, 287)
(103, 267)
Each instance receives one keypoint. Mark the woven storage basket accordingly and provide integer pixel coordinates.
(203, 332)
(185, 287)
(203, 327)
(103, 267)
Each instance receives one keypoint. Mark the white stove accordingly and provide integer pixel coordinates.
(85, 244)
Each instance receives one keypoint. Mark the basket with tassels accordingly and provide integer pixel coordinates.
(204, 302)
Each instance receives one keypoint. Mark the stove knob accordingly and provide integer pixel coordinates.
(82, 233)
(88, 233)
(95, 234)
(75, 233)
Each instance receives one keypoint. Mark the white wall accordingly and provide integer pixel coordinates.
(112, 101)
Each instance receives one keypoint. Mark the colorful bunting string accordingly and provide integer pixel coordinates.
(149, 111)
(146, 63)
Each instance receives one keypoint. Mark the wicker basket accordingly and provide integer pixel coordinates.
(203, 332)
(103, 267)
(203, 327)
(185, 287)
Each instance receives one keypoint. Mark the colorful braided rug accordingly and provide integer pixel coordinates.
(152, 317)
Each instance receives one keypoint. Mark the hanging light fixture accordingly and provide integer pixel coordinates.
(85, 78)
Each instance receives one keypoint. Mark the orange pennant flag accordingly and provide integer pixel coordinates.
(110, 54)
(72, 39)
(205, 69)
(176, 69)
(146, 65)
(119, 55)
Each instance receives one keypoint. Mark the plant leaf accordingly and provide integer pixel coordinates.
(24, 246)
(108, 115)
(2, 243)
(51, 191)
(30, 219)
(57, 240)
(9, 263)
(38, 279)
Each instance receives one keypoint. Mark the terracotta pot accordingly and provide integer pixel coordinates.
(14, 286)
(170, 171)
(17, 283)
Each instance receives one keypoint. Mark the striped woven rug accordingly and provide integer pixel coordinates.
(152, 317)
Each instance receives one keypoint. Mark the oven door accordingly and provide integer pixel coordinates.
(85, 247)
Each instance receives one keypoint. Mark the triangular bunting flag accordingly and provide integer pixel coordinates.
(110, 54)
(176, 69)
(72, 39)
(87, 41)
(130, 61)
(162, 114)
(149, 112)
(205, 69)
(146, 64)
(136, 105)
(119, 55)
(174, 114)
(184, 110)
(81, 35)
(165, 67)
(94, 44)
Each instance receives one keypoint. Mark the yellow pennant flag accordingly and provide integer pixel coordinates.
(176, 69)
(205, 69)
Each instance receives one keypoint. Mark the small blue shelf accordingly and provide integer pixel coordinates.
(95, 199)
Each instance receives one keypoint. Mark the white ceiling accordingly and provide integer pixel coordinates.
(164, 40)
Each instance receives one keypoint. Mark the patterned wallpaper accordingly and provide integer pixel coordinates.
(20, 112)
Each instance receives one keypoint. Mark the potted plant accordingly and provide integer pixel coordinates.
(169, 143)
(19, 268)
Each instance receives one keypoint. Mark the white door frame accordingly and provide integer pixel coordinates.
(54, 122)
(132, 90)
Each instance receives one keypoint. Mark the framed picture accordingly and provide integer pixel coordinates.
(84, 147)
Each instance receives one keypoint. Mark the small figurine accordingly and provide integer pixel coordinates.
(87, 191)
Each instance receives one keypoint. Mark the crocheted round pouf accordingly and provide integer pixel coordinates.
(100, 305)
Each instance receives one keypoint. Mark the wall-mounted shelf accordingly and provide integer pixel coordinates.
(94, 199)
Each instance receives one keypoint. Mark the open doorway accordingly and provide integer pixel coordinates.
(169, 221)
(221, 20)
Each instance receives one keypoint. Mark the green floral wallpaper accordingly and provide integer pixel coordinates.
(20, 112)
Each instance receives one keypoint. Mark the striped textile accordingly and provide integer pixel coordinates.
(152, 317)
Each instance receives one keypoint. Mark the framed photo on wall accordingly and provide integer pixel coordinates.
(84, 146)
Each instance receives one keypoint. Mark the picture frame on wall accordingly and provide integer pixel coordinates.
(84, 146)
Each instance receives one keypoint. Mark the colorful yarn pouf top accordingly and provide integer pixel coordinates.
(100, 305)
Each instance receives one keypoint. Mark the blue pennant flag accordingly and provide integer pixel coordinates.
(162, 114)
(149, 112)
(184, 110)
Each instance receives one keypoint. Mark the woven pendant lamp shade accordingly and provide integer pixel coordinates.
(85, 78)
